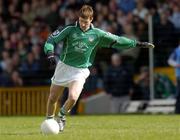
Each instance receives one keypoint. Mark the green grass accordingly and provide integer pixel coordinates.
(107, 127)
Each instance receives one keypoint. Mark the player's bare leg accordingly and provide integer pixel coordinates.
(75, 89)
(55, 92)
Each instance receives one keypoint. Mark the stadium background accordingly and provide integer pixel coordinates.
(25, 25)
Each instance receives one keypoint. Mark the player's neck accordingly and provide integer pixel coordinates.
(85, 29)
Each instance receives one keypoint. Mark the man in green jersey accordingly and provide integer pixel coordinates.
(80, 43)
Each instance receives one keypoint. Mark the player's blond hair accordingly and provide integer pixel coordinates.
(86, 12)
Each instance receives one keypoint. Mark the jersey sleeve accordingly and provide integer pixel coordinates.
(56, 37)
(108, 40)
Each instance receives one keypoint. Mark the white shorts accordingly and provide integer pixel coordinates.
(65, 74)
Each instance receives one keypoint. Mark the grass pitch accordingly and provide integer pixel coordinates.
(106, 127)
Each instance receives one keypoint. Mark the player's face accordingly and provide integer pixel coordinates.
(85, 23)
(115, 60)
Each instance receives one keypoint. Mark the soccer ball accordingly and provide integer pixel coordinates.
(50, 126)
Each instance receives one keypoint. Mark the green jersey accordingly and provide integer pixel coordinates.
(79, 47)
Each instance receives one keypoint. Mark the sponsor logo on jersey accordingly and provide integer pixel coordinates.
(80, 46)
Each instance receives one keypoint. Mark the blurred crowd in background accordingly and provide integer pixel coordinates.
(25, 26)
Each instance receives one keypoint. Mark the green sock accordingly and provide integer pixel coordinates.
(50, 117)
(62, 112)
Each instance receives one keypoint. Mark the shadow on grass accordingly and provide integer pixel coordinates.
(20, 133)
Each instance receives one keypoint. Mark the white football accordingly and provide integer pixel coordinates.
(50, 126)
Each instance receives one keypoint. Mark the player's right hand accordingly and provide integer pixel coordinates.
(52, 60)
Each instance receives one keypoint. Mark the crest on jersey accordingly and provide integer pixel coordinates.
(91, 38)
(55, 33)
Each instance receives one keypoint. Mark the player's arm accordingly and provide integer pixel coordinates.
(56, 37)
(109, 40)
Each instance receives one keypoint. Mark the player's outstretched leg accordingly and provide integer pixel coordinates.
(55, 93)
(75, 89)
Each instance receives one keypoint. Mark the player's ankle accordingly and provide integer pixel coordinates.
(50, 117)
(62, 112)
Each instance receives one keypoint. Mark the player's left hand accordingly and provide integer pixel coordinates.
(52, 60)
